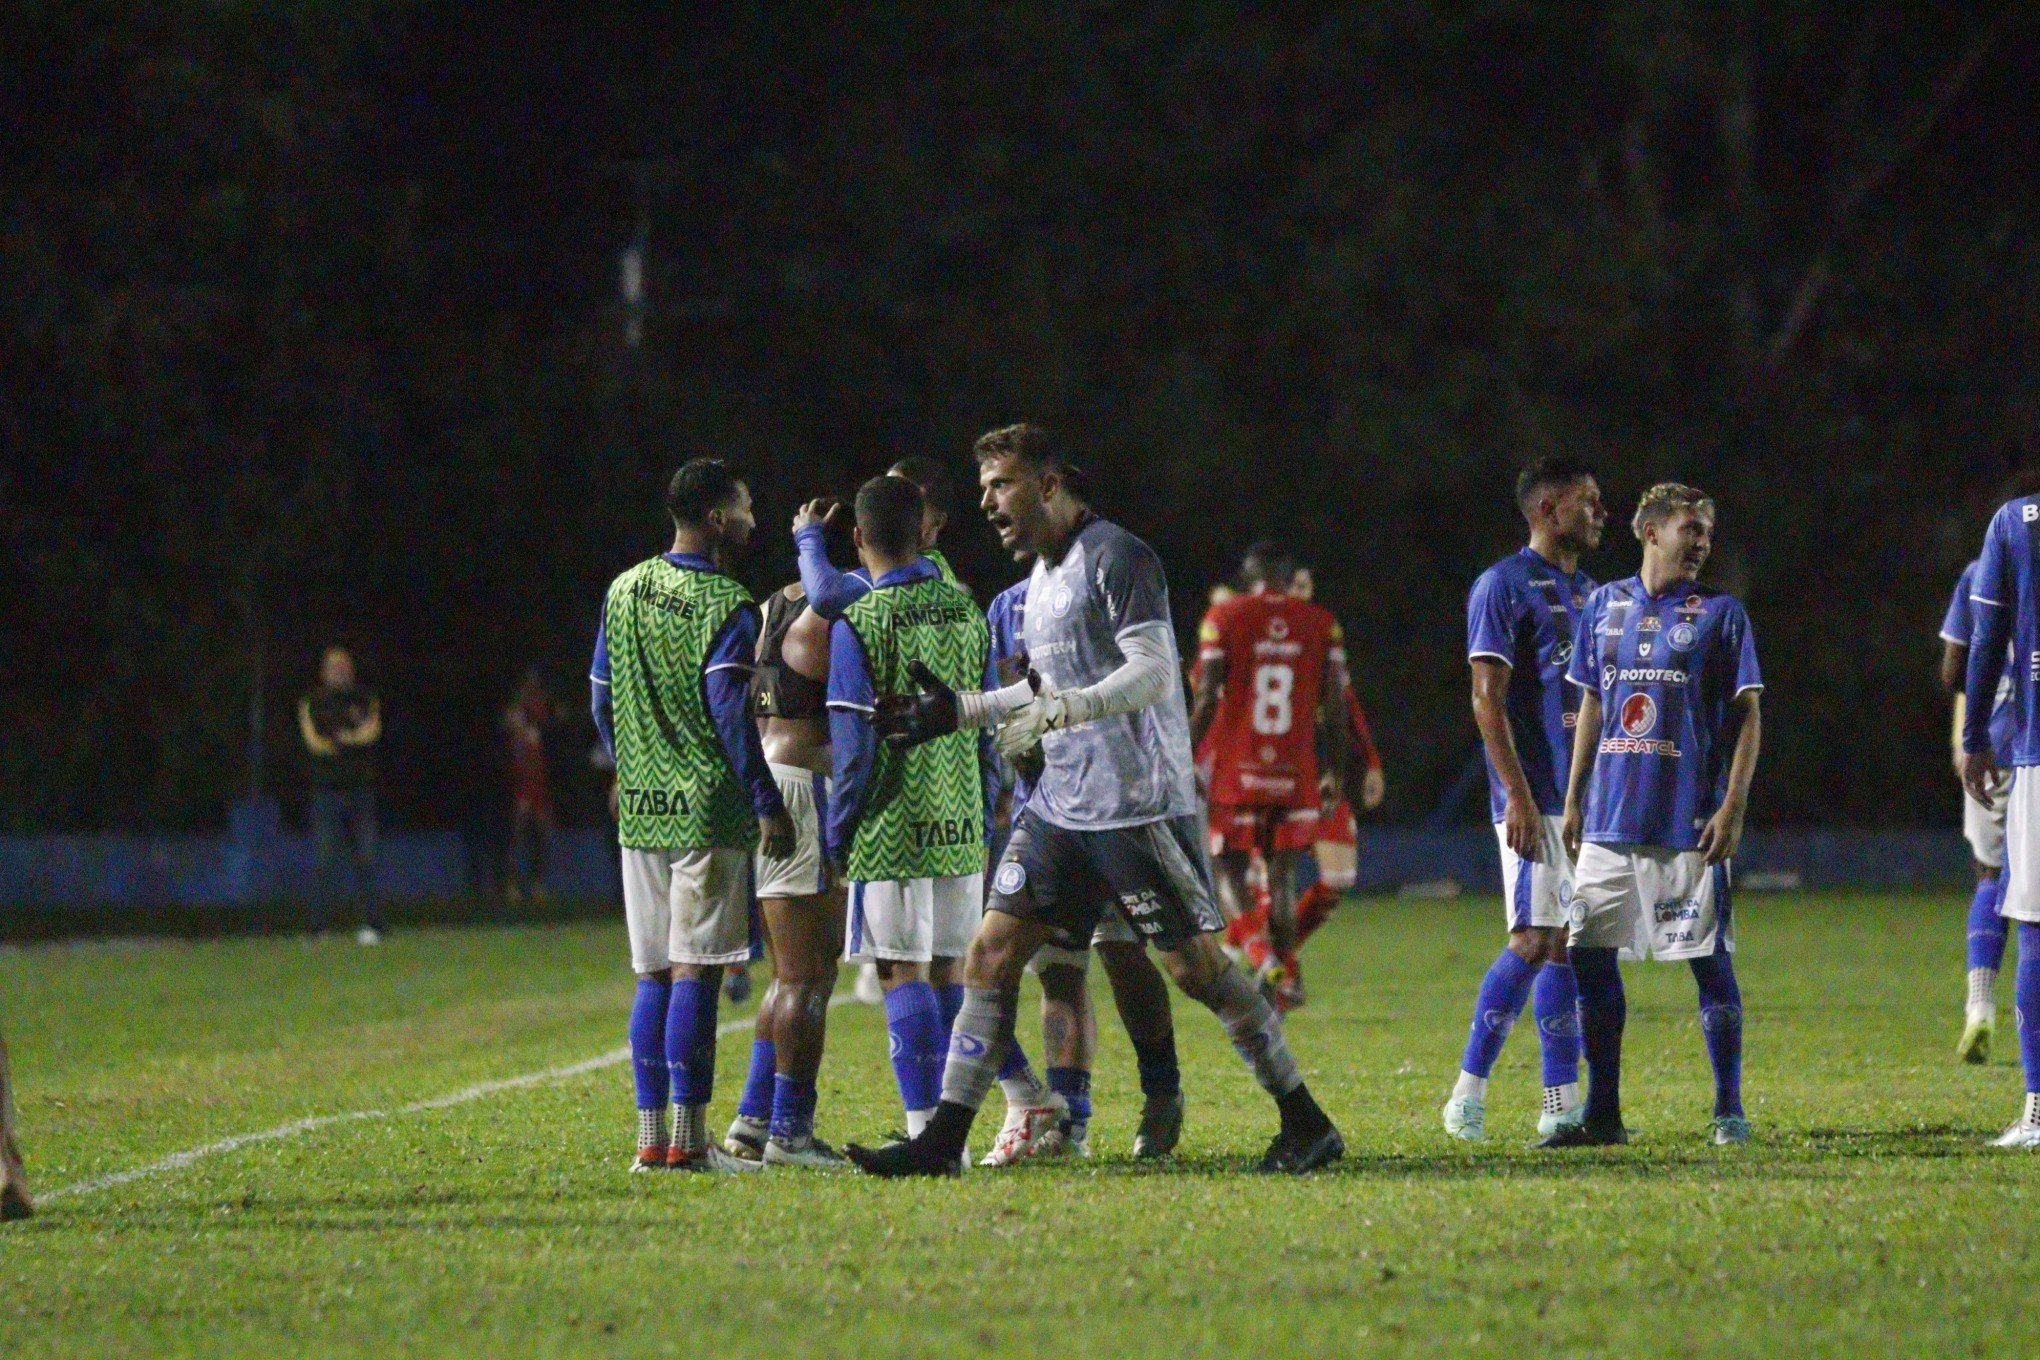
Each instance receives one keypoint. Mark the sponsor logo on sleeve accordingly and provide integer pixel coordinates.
(1561, 654)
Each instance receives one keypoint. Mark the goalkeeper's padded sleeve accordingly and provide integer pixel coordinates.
(1141, 680)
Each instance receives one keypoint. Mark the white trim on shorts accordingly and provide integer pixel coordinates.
(1663, 904)
(2021, 900)
(1984, 829)
(687, 906)
(914, 920)
(804, 873)
(1537, 893)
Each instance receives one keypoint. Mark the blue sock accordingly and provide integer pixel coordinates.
(793, 1108)
(1555, 1001)
(949, 998)
(757, 1100)
(1603, 1013)
(1160, 1077)
(1502, 994)
(913, 1016)
(1015, 1064)
(690, 1039)
(1987, 929)
(1073, 1084)
(648, 1042)
(2026, 995)
(1721, 1022)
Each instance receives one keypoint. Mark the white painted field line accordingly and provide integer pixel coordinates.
(176, 1161)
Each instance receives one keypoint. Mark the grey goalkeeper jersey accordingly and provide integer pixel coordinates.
(1133, 767)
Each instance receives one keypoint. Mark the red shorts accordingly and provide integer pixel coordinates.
(1242, 830)
(1337, 826)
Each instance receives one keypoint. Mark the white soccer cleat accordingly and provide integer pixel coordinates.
(867, 991)
(1974, 1046)
(1730, 1129)
(367, 937)
(746, 1138)
(1030, 1131)
(710, 1160)
(2019, 1135)
(1466, 1118)
(1550, 1123)
(807, 1151)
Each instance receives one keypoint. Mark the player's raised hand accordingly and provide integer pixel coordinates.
(775, 835)
(1980, 775)
(820, 510)
(1373, 788)
(905, 720)
(1722, 834)
(1523, 824)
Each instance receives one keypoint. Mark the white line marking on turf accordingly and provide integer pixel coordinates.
(177, 1161)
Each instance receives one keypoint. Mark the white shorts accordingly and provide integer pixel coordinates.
(1112, 929)
(687, 906)
(805, 872)
(2021, 901)
(1539, 892)
(1663, 904)
(1984, 829)
(915, 920)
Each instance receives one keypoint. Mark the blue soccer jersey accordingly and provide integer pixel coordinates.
(1668, 668)
(1957, 627)
(1524, 612)
(2005, 596)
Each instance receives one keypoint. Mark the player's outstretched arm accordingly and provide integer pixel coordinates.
(1723, 832)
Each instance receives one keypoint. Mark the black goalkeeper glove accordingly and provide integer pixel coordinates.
(909, 719)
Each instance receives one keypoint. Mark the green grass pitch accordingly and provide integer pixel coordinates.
(1868, 1218)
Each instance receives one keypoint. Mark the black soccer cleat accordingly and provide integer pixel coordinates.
(914, 1157)
(1585, 1135)
(1161, 1127)
(15, 1203)
(1290, 1155)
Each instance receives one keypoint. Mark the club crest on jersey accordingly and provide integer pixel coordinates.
(1012, 877)
(1639, 715)
(1683, 637)
(1061, 598)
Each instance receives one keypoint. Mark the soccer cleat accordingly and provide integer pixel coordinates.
(1161, 1127)
(1730, 1129)
(746, 1138)
(806, 1150)
(649, 1159)
(1584, 1134)
(1974, 1046)
(1290, 1156)
(1551, 1121)
(868, 991)
(1466, 1118)
(1076, 1138)
(15, 1203)
(709, 1160)
(914, 1157)
(1029, 1132)
(368, 936)
(2019, 1135)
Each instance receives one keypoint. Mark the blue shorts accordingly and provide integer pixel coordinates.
(1155, 876)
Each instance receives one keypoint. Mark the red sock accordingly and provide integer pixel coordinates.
(1258, 950)
(1312, 908)
(1244, 927)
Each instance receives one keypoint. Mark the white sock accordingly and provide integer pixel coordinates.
(1562, 1099)
(651, 1129)
(1024, 1092)
(2032, 1115)
(1982, 993)
(690, 1127)
(918, 1120)
(1470, 1085)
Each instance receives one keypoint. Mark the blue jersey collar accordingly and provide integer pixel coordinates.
(690, 561)
(920, 569)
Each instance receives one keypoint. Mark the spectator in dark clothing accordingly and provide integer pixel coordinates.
(341, 722)
(530, 714)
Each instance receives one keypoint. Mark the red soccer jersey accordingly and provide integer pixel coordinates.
(1263, 743)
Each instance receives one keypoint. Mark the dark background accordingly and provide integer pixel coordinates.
(310, 330)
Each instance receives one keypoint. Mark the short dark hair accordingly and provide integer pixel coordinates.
(937, 486)
(701, 485)
(889, 515)
(1552, 472)
(1269, 563)
(1033, 444)
(2019, 482)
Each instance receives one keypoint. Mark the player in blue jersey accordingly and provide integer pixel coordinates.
(1663, 755)
(1520, 620)
(1983, 826)
(2005, 596)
